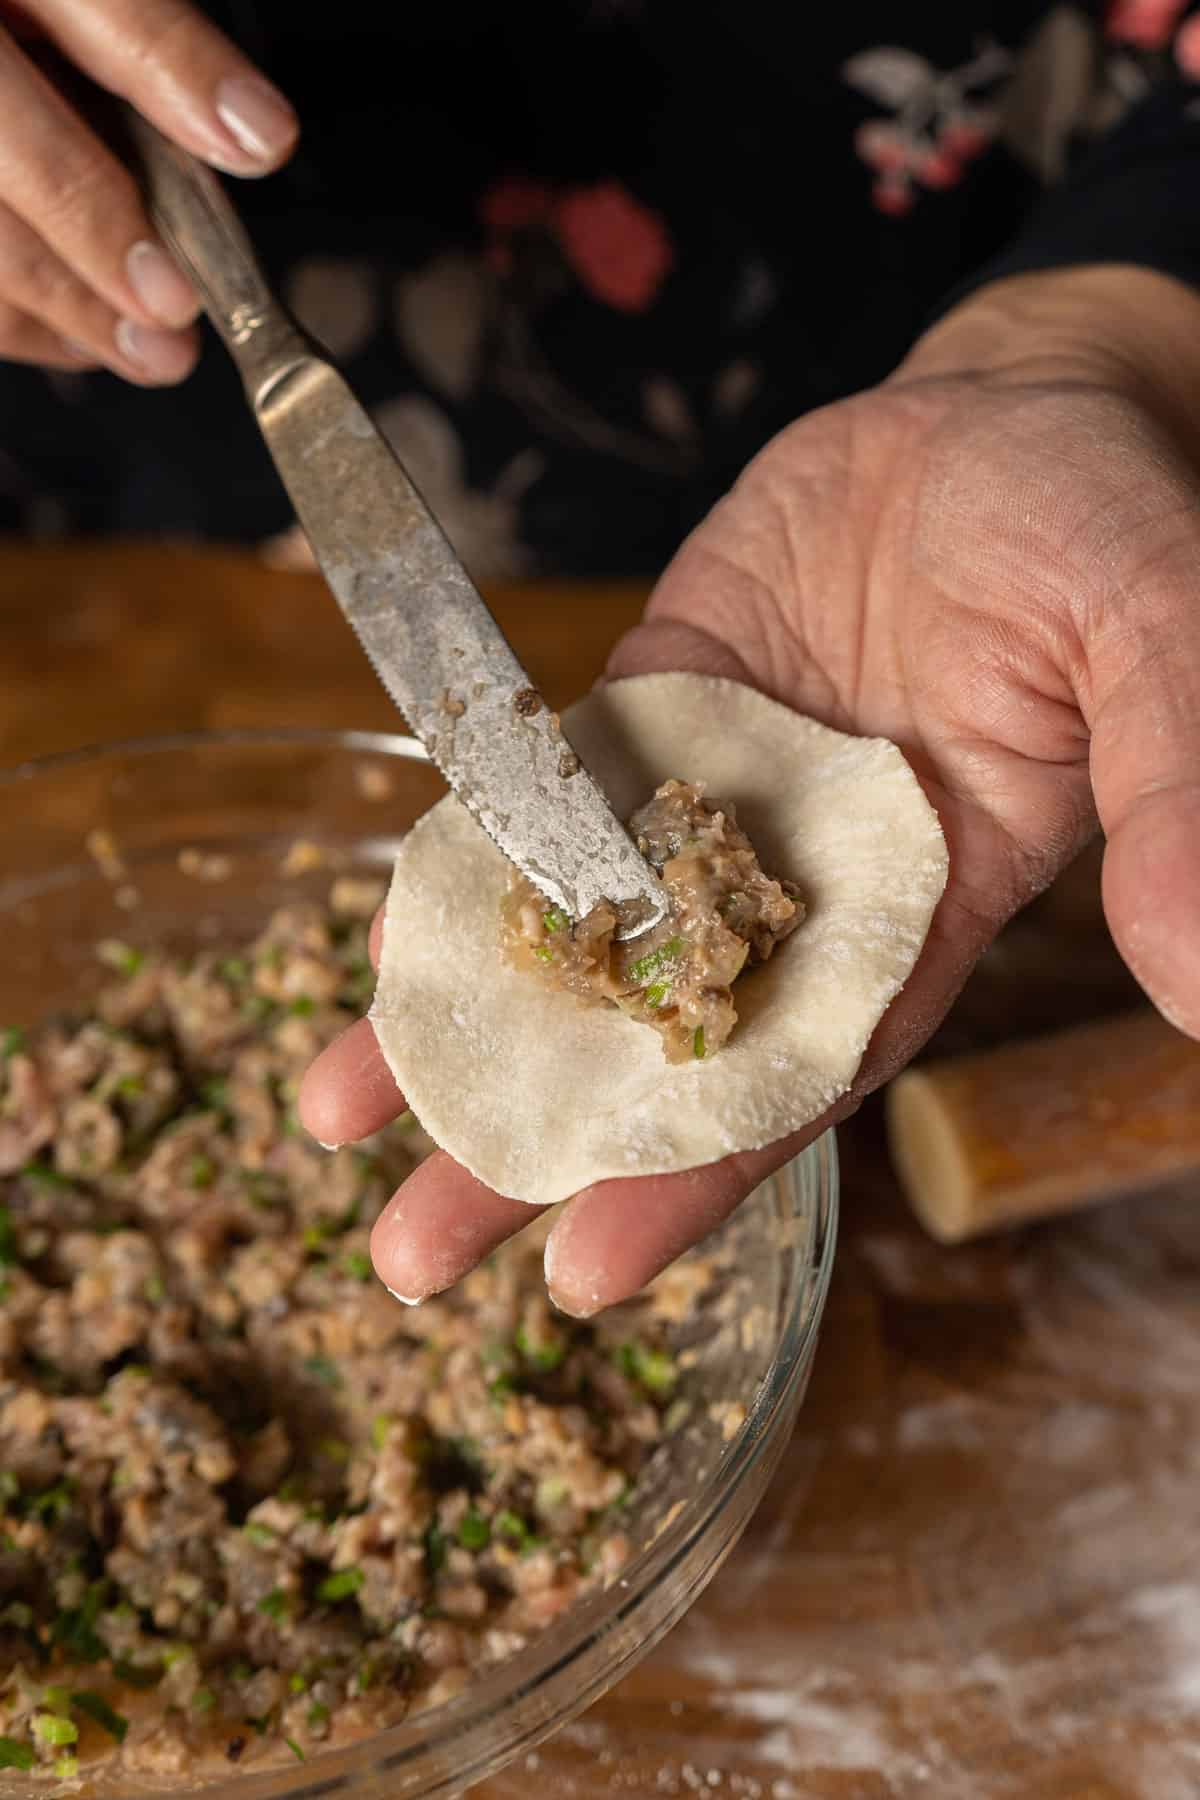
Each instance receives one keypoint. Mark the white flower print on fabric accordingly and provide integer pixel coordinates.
(1063, 90)
(480, 523)
(440, 312)
(941, 119)
(336, 300)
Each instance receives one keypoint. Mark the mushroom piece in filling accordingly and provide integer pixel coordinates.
(725, 914)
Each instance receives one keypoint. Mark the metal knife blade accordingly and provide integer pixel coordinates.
(439, 652)
(426, 629)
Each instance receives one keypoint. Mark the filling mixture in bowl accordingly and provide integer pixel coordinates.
(250, 1502)
(725, 914)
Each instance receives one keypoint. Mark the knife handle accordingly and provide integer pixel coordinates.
(198, 221)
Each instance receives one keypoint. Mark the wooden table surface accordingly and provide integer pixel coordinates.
(976, 1573)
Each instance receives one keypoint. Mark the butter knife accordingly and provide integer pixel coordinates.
(423, 624)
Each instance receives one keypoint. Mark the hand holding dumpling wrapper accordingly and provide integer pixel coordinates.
(539, 1096)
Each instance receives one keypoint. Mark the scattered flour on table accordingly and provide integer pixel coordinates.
(1027, 1597)
(1064, 1546)
(945, 1424)
(1172, 1613)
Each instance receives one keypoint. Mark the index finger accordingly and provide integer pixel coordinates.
(349, 1092)
(182, 73)
(610, 1240)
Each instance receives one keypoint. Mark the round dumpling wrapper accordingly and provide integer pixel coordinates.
(538, 1093)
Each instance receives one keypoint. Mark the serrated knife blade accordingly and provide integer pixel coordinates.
(426, 629)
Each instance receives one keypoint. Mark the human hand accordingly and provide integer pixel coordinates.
(993, 560)
(84, 278)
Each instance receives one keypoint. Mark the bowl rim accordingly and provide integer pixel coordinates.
(808, 1185)
(390, 743)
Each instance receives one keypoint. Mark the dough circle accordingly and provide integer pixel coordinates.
(537, 1093)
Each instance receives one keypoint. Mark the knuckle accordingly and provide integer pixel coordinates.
(91, 197)
(20, 252)
(78, 184)
(12, 328)
(35, 279)
(41, 299)
(45, 286)
(157, 36)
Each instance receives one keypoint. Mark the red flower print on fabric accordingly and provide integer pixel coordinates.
(515, 204)
(1187, 49)
(941, 120)
(1154, 26)
(509, 206)
(619, 249)
(1147, 24)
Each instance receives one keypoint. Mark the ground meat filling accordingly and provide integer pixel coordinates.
(247, 1501)
(725, 914)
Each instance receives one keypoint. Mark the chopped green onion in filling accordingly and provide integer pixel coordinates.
(96, 1707)
(51, 1728)
(121, 957)
(340, 1585)
(654, 960)
(652, 1369)
(474, 1532)
(324, 1370)
(546, 1354)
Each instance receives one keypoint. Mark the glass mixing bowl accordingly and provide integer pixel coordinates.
(190, 839)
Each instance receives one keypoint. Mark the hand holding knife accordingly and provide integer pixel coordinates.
(426, 629)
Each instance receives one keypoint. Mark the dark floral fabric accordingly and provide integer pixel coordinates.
(583, 257)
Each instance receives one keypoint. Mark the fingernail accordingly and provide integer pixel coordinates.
(256, 116)
(159, 285)
(574, 1309)
(161, 353)
(578, 1307)
(330, 1147)
(403, 1298)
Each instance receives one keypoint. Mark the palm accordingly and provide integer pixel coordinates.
(919, 563)
(933, 562)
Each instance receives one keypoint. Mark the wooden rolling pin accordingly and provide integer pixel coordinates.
(1046, 1126)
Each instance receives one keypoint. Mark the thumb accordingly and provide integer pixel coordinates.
(1144, 671)
(670, 637)
(660, 646)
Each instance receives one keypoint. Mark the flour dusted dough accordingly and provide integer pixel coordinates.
(538, 1094)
